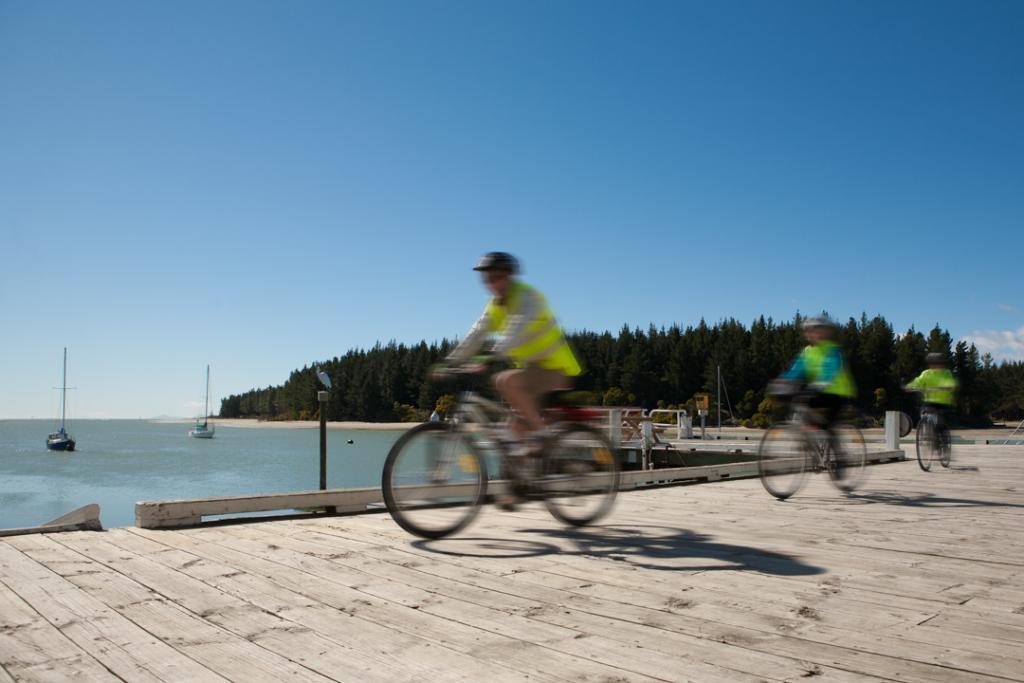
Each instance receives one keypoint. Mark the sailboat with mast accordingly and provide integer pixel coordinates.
(203, 429)
(60, 440)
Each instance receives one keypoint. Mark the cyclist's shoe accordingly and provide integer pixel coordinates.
(508, 502)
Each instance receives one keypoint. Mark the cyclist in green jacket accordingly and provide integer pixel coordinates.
(527, 335)
(937, 385)
(823, 369)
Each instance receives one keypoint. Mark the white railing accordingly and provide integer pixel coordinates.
(637, 424)
(682, 422)
(640, 426)
(622, 424)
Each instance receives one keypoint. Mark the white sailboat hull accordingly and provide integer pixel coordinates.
(201, 433)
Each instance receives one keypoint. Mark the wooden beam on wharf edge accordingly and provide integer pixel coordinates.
(915, 578)
(168, 514)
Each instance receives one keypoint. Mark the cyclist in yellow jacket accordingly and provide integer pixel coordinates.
(937, 385)
(823, 369)
(527, 334)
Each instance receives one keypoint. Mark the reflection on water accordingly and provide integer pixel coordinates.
(119, 462)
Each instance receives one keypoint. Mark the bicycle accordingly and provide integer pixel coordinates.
(933, 440)
(435, 478)
(791, 448)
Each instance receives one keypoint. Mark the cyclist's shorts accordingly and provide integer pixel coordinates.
(540, 381)
(827, 406)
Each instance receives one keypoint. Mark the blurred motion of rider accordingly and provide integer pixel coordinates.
(527, 335)
(937, 386)
(823, 369)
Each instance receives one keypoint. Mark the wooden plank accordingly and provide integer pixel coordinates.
(807, 628)
(216, 648)
(361, 521)
(565, 641)
(397, 609)
(744, 636)
(432, 664)
(122, 647)
(156, 514)
(622, 632)
(84, 518)
(33, 649)
(287, 639)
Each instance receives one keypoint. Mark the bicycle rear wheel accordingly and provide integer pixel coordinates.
(580, 474)
(434, 480)
(782, 459)
(927, 453)
(850, 453)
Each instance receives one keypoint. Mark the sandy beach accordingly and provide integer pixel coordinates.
(299, 424)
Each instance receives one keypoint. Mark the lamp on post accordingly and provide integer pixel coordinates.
(322, 398)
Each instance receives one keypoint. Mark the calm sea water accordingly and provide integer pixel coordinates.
(119, 462)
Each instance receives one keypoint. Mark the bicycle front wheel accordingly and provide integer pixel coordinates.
(850, 453)
(927, 453)
(580, 475)
(782, 459)
(434, 480)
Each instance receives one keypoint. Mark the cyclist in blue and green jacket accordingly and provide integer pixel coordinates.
(822, 368)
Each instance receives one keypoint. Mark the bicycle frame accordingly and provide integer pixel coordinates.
(816, 437)
(479, 416)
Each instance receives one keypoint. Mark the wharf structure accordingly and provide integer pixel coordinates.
(917, 577)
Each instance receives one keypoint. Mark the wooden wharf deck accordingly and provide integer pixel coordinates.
(916, 578)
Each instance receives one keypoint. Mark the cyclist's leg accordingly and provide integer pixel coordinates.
(942, 438)
(831, 407)
(523, 388)
(938, 413)
(510, 386)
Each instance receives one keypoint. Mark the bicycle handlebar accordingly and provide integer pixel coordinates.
(478, 365)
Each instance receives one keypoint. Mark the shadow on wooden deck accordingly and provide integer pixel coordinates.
(637, 546)
(928, 500)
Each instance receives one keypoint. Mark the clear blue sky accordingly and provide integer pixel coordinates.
(260, 185)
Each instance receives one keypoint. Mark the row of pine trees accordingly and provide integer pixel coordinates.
(660, 367)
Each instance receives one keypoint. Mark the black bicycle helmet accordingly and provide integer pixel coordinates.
(935, 358)
(498, 260)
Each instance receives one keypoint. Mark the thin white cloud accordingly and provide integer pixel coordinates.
(1002, 344)
(1008, 308)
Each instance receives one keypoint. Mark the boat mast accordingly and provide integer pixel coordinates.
(206, 403)
(64, 390)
